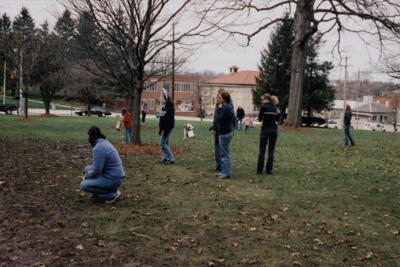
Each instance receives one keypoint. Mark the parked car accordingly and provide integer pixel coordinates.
(332, 124)
(375, 126)
(7, 108)
(99, 111)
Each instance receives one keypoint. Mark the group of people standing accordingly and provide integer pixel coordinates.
(106, 174)
(224, 122)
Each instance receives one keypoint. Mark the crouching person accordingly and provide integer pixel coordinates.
(106, 174)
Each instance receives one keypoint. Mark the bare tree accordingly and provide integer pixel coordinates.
(366, 18)
(137, 34)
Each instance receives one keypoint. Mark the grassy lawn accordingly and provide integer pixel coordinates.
(324, 205)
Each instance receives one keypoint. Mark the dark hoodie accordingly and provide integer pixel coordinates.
(167, 118)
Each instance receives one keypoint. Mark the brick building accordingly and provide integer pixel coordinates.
(186, 94)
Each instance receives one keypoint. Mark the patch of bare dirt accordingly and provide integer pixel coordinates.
(149, 149)
(48, 115)
(27, 120)
(142, 127)
(295, 129)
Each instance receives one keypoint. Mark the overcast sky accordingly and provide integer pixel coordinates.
(219, 56)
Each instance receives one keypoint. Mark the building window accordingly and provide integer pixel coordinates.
(183, 87)
(150, 104)
(150, 86)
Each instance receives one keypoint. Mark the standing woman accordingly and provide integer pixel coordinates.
(213, 128)
(269, 131)
(347, 126)
(166, 124)
(128, 123)
(225, 117)
(144, 111)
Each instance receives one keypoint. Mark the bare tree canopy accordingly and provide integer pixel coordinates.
(138, 34)
(373, 18)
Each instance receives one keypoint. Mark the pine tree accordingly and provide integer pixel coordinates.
(275, 65)
(275, 72)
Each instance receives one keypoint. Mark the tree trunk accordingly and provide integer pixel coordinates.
(135, 111)
(26, 104)
(303, 31)
(47, 106)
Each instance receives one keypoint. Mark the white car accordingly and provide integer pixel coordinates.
(375, 126)
(332, 124)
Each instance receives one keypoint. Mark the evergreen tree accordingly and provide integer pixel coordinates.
(6, 53)
(318, 94)
(275, 72)
(24, 30)
(275, 66)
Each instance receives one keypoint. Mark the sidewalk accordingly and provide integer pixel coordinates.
(67, 113)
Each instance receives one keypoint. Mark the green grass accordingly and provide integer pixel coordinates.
(324, 205)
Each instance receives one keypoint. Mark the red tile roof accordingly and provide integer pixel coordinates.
(246, 77)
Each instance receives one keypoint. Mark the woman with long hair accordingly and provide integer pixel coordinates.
(347, 126)
(268, 115)
(225, 116)
(213, 128)
(106, 174)
(166, 124)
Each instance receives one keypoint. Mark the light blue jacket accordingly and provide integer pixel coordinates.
(106, 161)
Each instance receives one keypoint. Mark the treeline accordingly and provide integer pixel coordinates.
(52, 60)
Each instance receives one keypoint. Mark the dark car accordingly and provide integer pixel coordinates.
(7, 108)
(99, 111)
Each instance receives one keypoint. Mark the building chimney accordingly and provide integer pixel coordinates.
(233, 69)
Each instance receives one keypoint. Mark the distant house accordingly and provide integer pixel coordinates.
(238, 83)
(363, 112)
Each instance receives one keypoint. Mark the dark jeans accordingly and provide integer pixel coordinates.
(143, 116)
(267, 136)
(217, 152)
(347, 136)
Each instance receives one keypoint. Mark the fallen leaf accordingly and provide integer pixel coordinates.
(297, 263)
(80, 247)
(101, 243)
(248, 262)
(395, 232)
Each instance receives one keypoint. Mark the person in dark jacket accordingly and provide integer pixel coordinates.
(225, 116)
(213, 128)
(240, 115)
(166, 124)
(269, 131)
(347, 126)
(106, 174)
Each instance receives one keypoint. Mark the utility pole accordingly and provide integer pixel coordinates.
(358, 97)
(344, 88)
(5, 80)
(21, 84)
(173, 63)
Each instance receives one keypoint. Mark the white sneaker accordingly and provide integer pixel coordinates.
(114, 198)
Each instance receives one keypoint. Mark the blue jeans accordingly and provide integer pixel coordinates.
(247, 128)
(347, 136)
(240, 122)
(128, 135)
(164, 143)
(217, 153)
(101, 186)
(226, 168)
(267, 136)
